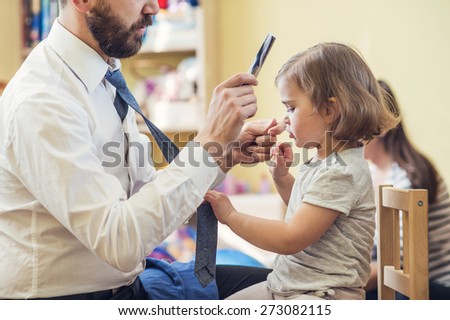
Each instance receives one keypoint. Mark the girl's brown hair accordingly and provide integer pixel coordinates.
(335, 70)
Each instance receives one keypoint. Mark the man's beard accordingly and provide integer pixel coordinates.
(113, 37)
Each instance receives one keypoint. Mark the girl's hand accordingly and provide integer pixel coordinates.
(281, 160)
(221, 205)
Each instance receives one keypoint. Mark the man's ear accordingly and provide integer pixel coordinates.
(331, 110)
(83, 5)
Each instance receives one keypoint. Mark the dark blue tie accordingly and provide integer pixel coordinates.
(206, 242)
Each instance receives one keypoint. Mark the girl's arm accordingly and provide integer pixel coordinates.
(284, 186)
(282, 157)
(306, 226)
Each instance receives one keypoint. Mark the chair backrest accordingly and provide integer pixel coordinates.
(409, 276)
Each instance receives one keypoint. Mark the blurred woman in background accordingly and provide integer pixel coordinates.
(394, 160)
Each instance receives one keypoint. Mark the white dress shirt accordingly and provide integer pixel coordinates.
(75, 216)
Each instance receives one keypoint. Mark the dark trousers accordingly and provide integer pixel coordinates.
(229, 279)
(135, 291)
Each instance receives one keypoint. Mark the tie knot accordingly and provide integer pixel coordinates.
(116, 79)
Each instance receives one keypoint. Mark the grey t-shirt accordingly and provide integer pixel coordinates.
(341, 256)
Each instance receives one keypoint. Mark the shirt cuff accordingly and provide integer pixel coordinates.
(220, 177)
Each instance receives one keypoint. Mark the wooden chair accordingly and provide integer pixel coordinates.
(410, 276)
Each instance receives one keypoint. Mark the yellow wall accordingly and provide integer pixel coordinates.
(405, 42)
(10, 38)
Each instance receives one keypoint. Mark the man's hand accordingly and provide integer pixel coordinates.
(233, 101)
(253, 143)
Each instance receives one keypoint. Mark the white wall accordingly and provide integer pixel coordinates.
(405, 42)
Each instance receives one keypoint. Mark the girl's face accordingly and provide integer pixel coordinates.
(305, 124)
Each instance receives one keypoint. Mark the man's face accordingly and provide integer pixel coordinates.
(115, 38)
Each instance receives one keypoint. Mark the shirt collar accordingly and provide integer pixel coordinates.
(84, 61)
(114, 64)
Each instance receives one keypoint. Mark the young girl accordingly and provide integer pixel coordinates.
(333, 103)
